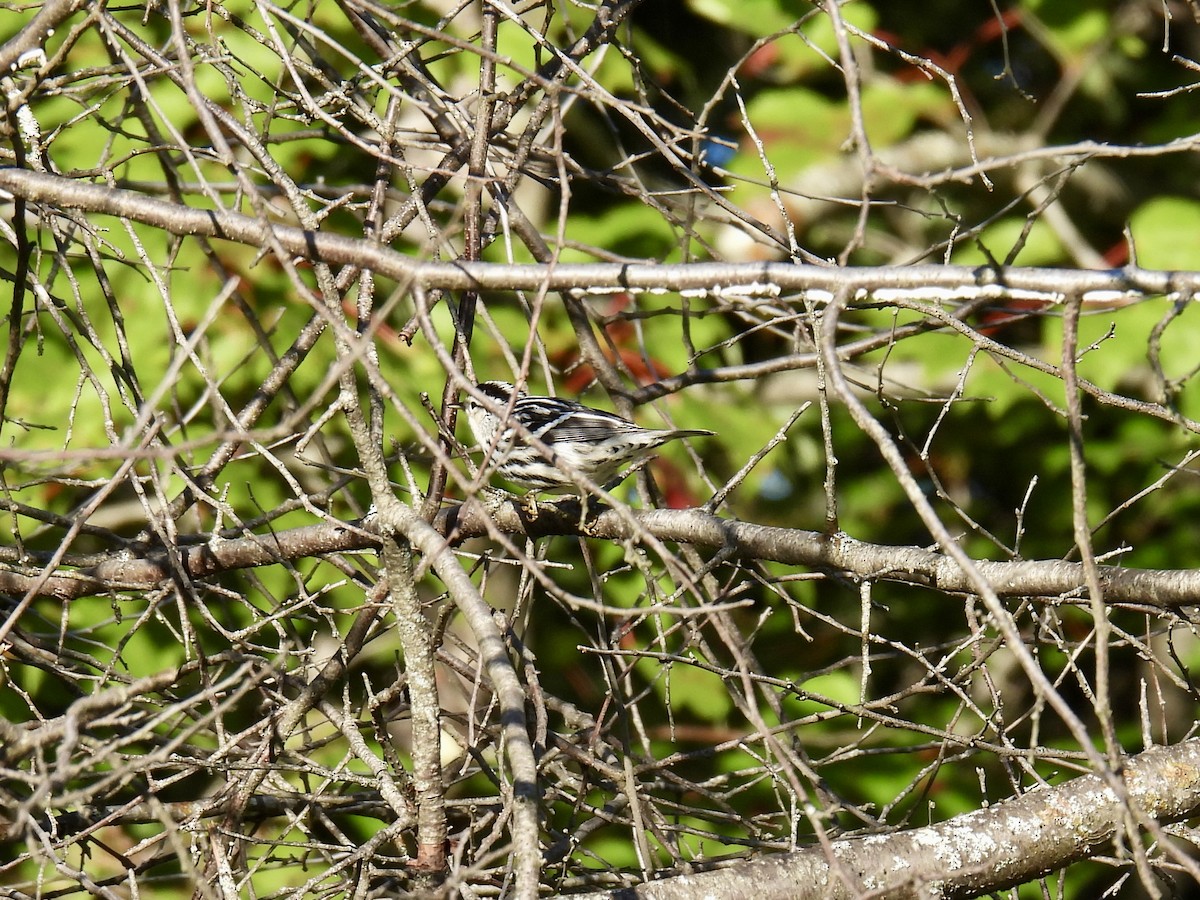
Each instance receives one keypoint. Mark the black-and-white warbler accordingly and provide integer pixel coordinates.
(591, 442)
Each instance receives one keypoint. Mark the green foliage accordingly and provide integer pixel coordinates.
(141, 333)
(1164, 232)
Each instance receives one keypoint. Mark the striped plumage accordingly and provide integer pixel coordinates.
(590, 442)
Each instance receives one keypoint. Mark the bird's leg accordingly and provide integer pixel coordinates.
(529, 505)
(588, 520)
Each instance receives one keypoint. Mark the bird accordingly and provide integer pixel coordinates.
(594, 443)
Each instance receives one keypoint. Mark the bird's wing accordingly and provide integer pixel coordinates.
(569, 421)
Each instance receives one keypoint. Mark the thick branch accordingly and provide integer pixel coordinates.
(1162, 588)
(744, 279)
(976, 853)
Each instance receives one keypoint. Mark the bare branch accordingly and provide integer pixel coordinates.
(1037, 833)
